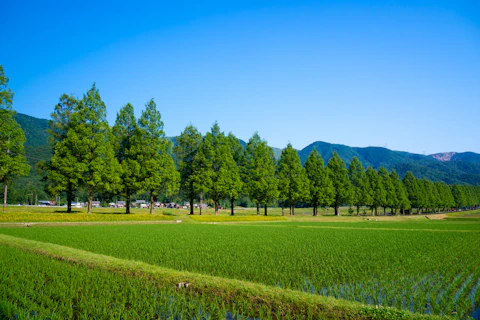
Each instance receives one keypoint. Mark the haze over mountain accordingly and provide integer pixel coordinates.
(450, 167)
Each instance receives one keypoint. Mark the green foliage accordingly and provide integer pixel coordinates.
(341, 184)
(224, 172)
(89, 141)
(202, 173)
(62, 173)
(320, 185)
(6, 94)
(60, 123)
(185, 153)
(390, 192)
(128, 147)
(292, 181)
(259, 171)
(401, 198)
(458, 193)
(158, 172)
(376, 189)
(413, 189)
(358, 180)
(12, 153)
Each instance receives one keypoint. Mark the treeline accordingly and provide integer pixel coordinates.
(134, 157)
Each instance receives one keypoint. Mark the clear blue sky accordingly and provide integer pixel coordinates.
(401, 74)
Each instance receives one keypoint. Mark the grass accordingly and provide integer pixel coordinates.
(464, 215)
(67, 288)
(394, 264)
(403, 264)
(28, 214)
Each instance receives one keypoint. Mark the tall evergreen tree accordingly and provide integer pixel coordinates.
(224, 171)
(237, 168)
(185, 152)
(413, 190)
(401, 198)
(444, 195)
(62, 173)
(376, 190)
(292, 180)
(341, 184)
(90, 142)
(358, 180)
(202, 169)
(390, 193)
(128, 146)
(320, 185)
(261, 183)
(158, 172)
(458, 193)
(431, 195)
(12, 153)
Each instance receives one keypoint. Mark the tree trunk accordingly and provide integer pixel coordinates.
(152, 203)
(127, 205)
(216, 207)
(201, 201)
(337, 211)
(358, 210)
(292, 210)
(384, 211)
(191, 206)
(232, 202)
(258, 208)
(314, 211)
(90, 201)
(69, 198)
(265, 209)
(5, 191)
(376, 210)
(283, 209)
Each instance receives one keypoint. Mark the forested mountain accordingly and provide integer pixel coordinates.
(26, 189)
(465, 169)
(448, 167)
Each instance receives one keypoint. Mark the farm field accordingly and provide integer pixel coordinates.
(418, 266)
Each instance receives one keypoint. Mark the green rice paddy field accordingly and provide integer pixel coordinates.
(271, 269)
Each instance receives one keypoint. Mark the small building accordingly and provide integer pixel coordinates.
(140, 204)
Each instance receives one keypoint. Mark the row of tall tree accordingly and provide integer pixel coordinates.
(134, 156)
(219, 166)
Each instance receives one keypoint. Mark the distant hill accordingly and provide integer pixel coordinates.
(455, 156)
(455, 171)
(450, 167)
(34, 129)
(36, 149)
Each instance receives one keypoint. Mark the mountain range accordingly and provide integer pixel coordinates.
(450, 167)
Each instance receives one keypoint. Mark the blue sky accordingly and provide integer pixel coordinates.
(400, 74)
